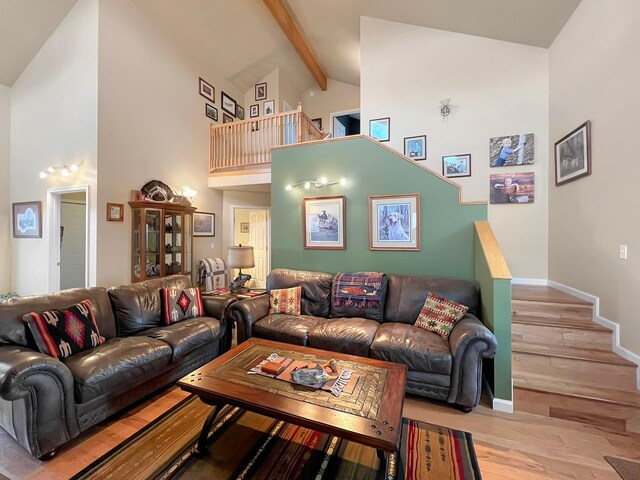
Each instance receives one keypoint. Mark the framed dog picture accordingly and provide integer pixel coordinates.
(323, 223)
(573, 154)
(394, 222)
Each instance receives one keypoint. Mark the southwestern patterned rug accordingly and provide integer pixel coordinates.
(245, 445)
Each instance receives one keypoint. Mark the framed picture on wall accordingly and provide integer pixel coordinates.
(211, 111)
(228, 104)
(379, 129)
(204, 224)
(244, 227)
(416, 147)
(27, 220)
(261, 91)
(240, 112)
(456, 165)
(323, 223)
(269, 107)
(573, 154)
(226, 118)
(394, 222)
(318, 122)
(511, 150)
(207, 91)
(254, 110)
(115, 212)
(512, 187)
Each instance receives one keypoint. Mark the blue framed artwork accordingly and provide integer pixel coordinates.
(379, 129)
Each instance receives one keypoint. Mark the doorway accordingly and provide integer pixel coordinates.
(345, 124)
(251, 227)
(69, 238)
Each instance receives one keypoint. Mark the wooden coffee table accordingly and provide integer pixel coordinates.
(369, 413)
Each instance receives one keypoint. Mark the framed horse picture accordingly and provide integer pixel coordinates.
(323, 223)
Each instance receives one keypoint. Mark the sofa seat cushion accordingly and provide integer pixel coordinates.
(286, 328)
(186, 336)
(346, 335)
(418, 349)
(116, 366)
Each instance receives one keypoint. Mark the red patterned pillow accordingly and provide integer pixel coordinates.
(285, 301)
(61, 333)
(440, 315)
(178, 305)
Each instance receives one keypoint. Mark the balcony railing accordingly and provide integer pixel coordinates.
(248, 143)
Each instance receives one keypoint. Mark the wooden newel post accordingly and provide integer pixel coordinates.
(299, 122)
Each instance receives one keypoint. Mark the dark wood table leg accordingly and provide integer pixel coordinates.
(202, 441)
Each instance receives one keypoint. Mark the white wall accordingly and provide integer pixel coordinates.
(338, 97)
(54, 122)
(5, 206)
(497, 88)
(594, 75)
(151, 126)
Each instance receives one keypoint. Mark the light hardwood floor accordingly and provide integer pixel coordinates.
(518, 446)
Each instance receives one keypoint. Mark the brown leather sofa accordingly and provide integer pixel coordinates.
(449, 370)
(45, 402)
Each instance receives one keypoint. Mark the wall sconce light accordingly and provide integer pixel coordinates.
(317, 183)
(189, 193)
(64, 170)
(445, 108)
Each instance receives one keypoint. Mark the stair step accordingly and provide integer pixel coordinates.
(545, 321)
(541, 383)
(536, 293)
(575, 353)
(553, 310)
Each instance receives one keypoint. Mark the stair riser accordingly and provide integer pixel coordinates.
(561, 336)
(552, 310)
(593, 412)
(577, 371)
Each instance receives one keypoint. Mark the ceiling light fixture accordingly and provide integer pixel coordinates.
(317, 183)
(64, 170)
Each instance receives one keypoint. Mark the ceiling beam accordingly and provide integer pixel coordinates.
(288, 25)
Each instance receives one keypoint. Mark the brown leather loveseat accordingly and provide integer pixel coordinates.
(45, 402)
(444, 369)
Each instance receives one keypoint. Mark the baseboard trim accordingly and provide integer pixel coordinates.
(529, 281)
(501, 405)
(605, 322)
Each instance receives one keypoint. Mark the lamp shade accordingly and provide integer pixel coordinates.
(240, 257)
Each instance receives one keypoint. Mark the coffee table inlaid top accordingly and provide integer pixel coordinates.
(369, 412)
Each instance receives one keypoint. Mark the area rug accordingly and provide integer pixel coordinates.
(245, 445)
(627, 469)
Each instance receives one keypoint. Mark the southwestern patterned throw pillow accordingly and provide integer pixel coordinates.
(285, 301)
(178, 305)
(61, 333)
(440, 315)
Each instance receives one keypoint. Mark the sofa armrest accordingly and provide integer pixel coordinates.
(217, 306)
(43, 387)
(246, 313)
(470, 341)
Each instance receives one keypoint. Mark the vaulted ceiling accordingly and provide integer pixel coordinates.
(241, 39)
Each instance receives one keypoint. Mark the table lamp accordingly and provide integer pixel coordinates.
(240, 257)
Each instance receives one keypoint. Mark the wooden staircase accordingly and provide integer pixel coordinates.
(563, 363)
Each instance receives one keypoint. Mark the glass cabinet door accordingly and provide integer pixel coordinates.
(187, 242)
(136, 263)
(153, 225)
(173, 242)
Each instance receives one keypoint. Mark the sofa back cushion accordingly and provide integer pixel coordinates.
(316, 289)
(138, 307)
(406, 295)
(13, 330)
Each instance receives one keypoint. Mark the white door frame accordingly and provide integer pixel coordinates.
(232, 209)
(53, 215)
(339, 114)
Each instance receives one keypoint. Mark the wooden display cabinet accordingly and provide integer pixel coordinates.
(162, 240)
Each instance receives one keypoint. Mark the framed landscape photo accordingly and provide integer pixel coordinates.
(207, 91)
(379, 129)
(115, 212)
(240, 112)
(226, 118)
(211, 111)
(204, 224)
(269, 107)
(456, 165)
(323, 223)
(261, 91)
(27, 220)
(394, 222)
(573, 155)
(228, 104)
(416, 147)
(254, 110)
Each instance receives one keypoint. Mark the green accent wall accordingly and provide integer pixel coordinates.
(447, 230)
(495, 312)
